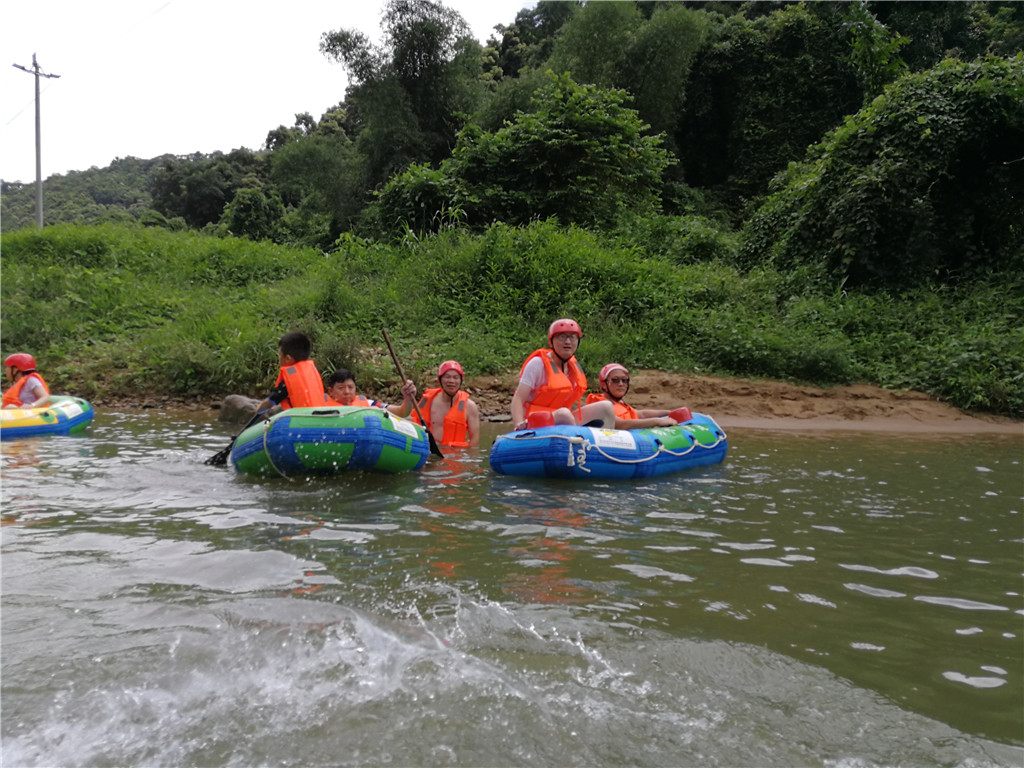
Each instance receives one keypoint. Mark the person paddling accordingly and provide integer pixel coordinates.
(452, 416)
(551, 381)
(29, 390)
(614, 382)
(299, 384)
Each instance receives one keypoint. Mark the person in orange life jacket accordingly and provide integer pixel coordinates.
(614, 383)
(551, 380)
(341, 390)
(299, 384)
(452, 417)
(29, 390)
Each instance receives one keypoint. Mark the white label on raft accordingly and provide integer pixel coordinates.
(613, 438)
(405, 427)
(71, 409)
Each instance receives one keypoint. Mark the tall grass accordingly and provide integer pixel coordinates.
(120, 309)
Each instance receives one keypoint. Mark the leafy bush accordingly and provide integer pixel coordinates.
(580, 156)
(924, 184)
(118, 309)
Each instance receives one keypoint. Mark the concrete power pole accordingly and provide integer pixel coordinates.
(39, 142)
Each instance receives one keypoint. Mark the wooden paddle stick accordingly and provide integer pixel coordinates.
(398, 366)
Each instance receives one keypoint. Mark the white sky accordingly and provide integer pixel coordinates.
(143, 78)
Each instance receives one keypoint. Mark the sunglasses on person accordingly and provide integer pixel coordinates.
(618, 381)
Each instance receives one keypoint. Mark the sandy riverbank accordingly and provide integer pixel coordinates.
(739, 403)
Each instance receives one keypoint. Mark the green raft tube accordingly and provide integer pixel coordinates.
(303, 442)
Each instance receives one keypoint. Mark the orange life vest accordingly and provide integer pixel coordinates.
(559, 390)
(305, 385)
(13, 395)
(622, 411)
(358, 400)
(456, 427)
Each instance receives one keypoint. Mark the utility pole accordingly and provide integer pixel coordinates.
(39, 141)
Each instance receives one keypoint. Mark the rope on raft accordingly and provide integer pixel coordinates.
(324, 413)
(586, 445)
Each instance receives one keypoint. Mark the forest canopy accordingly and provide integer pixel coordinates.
(804, 132)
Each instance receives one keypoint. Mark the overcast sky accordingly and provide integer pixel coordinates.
(143, 78)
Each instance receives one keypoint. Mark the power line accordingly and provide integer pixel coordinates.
(37, 72)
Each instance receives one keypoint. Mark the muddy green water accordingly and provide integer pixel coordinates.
(836, 599)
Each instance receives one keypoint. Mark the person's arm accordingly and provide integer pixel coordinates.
(473, 423)
(651, 413)
(276, 397)
(42, 397)
(660, 421)
(408, 398)
(518, 408)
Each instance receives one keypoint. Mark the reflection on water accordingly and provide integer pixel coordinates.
(848, 599)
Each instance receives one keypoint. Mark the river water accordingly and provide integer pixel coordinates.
(841, 599)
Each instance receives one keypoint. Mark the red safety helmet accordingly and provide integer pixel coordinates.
(22, 361)
(565, 325)
(606, 371)
(450, 365)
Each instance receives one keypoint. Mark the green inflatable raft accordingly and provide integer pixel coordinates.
(302, 442)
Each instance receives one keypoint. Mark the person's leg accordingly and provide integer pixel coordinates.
(602, 410)
(564, 417)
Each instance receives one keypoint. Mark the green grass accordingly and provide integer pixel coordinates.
(120, 309)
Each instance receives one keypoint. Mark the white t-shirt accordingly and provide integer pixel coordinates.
(534, 375)
(32, 390)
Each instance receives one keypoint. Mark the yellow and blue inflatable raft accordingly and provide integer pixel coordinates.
(63, 416)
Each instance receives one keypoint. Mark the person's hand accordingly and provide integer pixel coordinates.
(666, 421)
(521, 425)
(409, 390)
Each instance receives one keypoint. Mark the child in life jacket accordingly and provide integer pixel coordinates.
(299, 384)
(452, 416)
(552, 382)
(341, 390)
(614, 382)
(29, 390)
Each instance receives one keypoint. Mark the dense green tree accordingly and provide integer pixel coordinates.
(197, 187)
(320, 178)
(255, 212)
(760, 92)
(581, 156)
(527, 42)
(643, 48)
(933, 30)
(1001, 25)
(408, 93)
(925, 184)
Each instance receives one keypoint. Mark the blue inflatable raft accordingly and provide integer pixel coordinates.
(609, 454)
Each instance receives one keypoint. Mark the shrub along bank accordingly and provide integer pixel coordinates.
(120, 309)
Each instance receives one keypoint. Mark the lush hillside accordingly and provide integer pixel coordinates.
(826, 192)
(119, 192)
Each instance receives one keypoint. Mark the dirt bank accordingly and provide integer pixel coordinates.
(776, 405)
(741, 403)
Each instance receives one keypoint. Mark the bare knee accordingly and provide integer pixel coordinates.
(563, 416)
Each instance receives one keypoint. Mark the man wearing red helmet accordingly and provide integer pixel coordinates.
(614, 383)
(552, 381)
(29, 390)
(452, 417)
